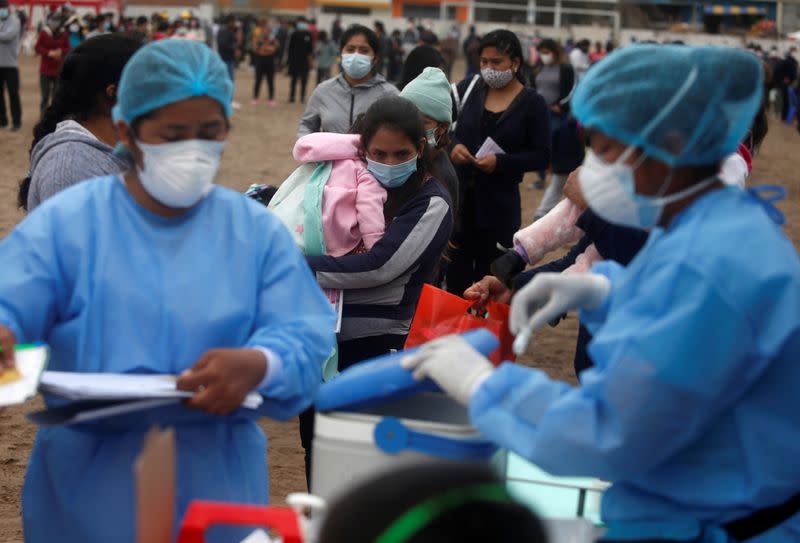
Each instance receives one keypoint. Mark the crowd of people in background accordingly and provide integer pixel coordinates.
(299, 46)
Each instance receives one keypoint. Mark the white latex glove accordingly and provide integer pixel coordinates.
(550, 295)
(453, 364)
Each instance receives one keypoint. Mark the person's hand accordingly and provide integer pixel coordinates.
(572, 190)
(548, 296)
(223, 378)
(461, 155)
(452, 364)
(488, 289)
(487, 164)
(555, 108)
(7, 342)
(508, 266)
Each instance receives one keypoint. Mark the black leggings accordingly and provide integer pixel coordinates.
(302, 76)
(265, 69)
(9, 79)
(350, 353)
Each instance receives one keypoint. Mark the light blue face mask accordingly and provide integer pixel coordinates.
(4, 13)
(302, 26)
(392, 176)
(356, 65)
(430, 134)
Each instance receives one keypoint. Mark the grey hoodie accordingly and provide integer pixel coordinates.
(65, 157)
(335, 105)
(9, 41)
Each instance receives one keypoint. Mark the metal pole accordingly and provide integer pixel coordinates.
(531, 12)
(443, 10)
(470, 11)
(557, 16)
(779, 18)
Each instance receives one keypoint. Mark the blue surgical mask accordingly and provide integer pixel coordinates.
(430, 134)
(392, 176)
(4, 13)
(302, 26)
(356, 65)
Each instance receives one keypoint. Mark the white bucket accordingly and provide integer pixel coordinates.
(346, 450)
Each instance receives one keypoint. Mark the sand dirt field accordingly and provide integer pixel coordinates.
(260, 151)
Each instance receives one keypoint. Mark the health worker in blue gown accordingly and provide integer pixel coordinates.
(691, 410)
(160, 271)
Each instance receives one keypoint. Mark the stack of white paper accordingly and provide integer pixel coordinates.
(30, 363)
(119, 386)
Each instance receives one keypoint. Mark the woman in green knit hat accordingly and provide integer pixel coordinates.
(430, 92)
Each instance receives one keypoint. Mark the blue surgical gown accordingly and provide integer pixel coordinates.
(692, 409)
(112, 287)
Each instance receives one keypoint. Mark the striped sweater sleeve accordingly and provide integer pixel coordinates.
(425, 223)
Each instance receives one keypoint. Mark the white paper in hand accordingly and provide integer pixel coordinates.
(120, 386)
(489, 147)
(30, 363)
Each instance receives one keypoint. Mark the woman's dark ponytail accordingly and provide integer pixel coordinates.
(86, 73)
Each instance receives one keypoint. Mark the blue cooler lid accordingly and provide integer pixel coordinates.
(382, 379)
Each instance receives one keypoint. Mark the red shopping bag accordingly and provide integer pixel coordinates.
(440, 313)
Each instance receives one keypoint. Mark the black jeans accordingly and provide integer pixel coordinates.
(350, 353)
(9, 79)
(48, 86)
(265, 69)
(323, 74)
(475, 247)
(302, 76)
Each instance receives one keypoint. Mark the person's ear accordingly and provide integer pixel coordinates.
(128, 140)
(111, 93)
(423, 143)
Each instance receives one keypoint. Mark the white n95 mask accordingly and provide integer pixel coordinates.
(180, 174)
(610, 191)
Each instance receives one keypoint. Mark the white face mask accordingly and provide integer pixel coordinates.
(547, 58)
(610, 191)
(74, 28)
(180, 174)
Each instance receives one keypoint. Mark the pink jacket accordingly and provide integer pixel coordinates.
(352, 200)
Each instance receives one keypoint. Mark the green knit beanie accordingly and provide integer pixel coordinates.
(430, 92)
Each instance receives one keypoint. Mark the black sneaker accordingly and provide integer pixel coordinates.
(3, 124)
(16, 128)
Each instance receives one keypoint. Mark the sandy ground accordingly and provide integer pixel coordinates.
(260, 151)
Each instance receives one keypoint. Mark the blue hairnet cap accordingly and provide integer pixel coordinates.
(168, 71)
(684, 106)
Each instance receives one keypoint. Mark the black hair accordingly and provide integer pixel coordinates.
(421, 57)
(507, 43)
(81, 87)
(400, 114)
(487, 513)
(323, 36)
(550, 45)
(141, 20)
(368, 33)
